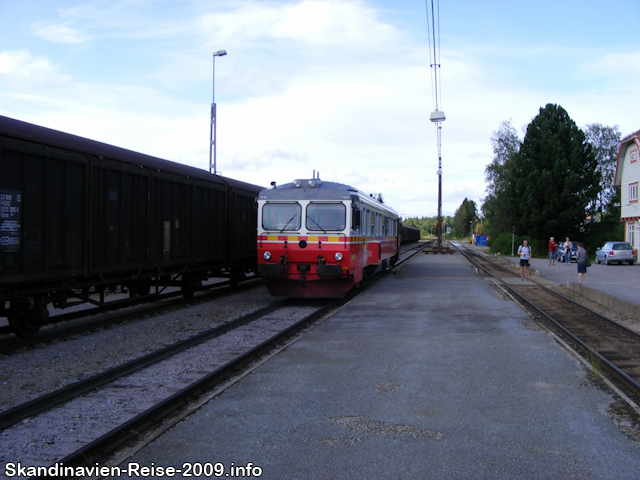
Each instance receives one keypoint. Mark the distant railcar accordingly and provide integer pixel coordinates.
(79, 217)
(320, 239)
(409, 235)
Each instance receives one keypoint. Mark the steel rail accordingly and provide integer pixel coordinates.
(416, 249)
(604, 319)
(622, 377)
(45, 402)
(111, 440)
(104, 445)
(12, 344)
(107, 443)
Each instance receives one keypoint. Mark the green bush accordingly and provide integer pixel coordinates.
(503, 243)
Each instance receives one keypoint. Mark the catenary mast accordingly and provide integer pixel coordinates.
(437, 116)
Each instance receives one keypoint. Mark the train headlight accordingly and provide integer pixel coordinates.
(338, 256)
(266, 255)
(296, 183)
(312, 183)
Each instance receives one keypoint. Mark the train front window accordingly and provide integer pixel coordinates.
(283, 217)
(326, 216)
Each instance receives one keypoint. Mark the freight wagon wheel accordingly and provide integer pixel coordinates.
(26, 322)
(189, 285)
(140, 288)
(236, 277)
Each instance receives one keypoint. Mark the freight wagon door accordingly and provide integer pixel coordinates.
(43, 211)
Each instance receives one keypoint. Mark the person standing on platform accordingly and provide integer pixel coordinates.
(553, 245)
(581, 259)
(524, 251)
(567, 251)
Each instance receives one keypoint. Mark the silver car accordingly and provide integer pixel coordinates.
(615, 252)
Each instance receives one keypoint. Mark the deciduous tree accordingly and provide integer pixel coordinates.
(506, 144)
(605, 142)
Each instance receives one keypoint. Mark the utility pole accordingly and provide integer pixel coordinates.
(437, 116)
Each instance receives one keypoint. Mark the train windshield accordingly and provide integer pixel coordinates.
(326, 216)
(283, 217)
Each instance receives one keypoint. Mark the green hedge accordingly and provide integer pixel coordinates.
(502, 244)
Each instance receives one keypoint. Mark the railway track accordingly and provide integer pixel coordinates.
(115, 314)
(17, 414)
(81, 424)
(158, 303)
(125, 401)
(611, 348)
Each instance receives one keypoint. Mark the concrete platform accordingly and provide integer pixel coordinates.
(430, 374)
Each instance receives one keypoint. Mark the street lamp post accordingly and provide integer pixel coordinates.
(438, 117)
(212, 135)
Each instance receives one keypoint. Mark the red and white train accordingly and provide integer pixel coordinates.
(319, 239)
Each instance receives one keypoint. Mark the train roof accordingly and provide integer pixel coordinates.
(34, 133)
(321, 191)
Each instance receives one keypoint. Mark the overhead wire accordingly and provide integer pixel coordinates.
(434, 56)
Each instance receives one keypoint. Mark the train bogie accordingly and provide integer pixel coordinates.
(320, 239)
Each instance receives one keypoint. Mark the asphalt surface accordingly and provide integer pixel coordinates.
(429, 374)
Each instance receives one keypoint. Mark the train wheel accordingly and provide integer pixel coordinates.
(140, 289)
(237, 276)
(189, 285)
(370, 271)
(26, 322)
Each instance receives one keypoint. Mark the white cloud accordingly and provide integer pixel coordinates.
(21, 64)
(331, 86)
(59, 33)
(331, 25)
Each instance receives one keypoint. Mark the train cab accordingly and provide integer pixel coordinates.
(319, 239)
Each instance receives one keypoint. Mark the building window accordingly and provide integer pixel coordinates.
(633, 192)
(631, 233)
(633, 155)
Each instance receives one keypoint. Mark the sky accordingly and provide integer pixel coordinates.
(343, 88)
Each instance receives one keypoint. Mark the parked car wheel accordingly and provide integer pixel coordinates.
(606, 260)
(597, 260)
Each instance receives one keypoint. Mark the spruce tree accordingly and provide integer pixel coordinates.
(554, 178)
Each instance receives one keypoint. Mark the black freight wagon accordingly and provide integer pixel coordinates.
(79, 218)
(409, 235)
